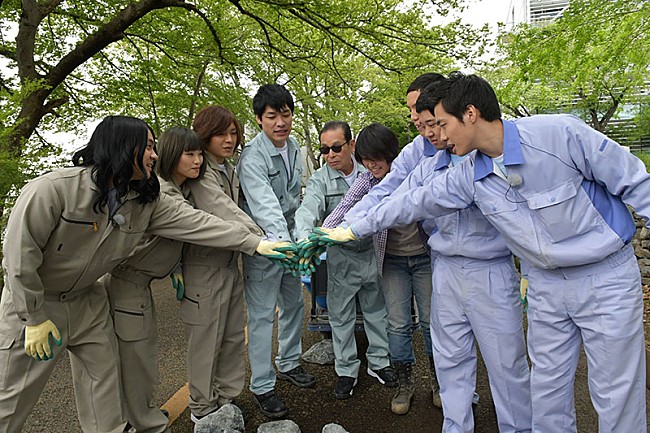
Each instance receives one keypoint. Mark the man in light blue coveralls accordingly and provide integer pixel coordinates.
(352, 269)
(557, 191)
(475, 296)
(270, 178)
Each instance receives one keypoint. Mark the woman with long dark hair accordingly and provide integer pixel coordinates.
(67, 229)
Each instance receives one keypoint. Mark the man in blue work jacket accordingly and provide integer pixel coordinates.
(557, 192)
(270, 178)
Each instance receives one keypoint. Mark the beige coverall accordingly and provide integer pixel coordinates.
(213, 306)
(55, 250)
(134, 319)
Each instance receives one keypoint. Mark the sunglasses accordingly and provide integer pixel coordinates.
(324, 150)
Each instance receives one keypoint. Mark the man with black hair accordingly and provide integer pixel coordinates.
(475, 299)
(557, 192)
(270, 178)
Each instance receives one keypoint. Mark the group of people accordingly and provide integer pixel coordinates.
(437, 222)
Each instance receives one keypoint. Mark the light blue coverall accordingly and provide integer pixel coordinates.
(475, 295)
(351, 270)
(562, 210)
(271, 195)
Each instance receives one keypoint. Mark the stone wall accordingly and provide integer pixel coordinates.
(641, 243)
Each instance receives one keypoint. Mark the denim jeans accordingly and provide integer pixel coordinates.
(403, 278)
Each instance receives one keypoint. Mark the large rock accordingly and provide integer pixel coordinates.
(284, 426)
(228, 419)
(334, 428)
(320, 353)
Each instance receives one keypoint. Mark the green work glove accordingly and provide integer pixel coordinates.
(523, 292)
(305, 246)
(338, 235)
(290, 264)
(177, 282)
(37, 340)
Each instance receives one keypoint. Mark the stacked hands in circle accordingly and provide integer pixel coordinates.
(303, 257)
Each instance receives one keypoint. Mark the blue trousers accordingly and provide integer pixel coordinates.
(267, 286)
(478, 300)
(600, 306)
(406, 277)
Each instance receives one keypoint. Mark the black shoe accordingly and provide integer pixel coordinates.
(344, 387)
(270, 404)
(298, 377)
(385, 376)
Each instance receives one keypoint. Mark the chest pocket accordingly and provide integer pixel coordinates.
(73, 234)
(127, 235)
(565, 211)
(497, 212)
(477, 222)
(278, 185)
(331, 201)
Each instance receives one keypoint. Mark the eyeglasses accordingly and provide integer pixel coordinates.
(337, 148)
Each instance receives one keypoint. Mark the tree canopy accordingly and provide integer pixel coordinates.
(591, 61)
(67, 61)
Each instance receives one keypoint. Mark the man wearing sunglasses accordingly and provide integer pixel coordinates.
(352, 269)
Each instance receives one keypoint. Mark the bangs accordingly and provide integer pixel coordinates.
(192, 142)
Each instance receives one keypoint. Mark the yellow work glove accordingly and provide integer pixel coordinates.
(276, 250)
(37, 340)
(523, 292)
(338, 235)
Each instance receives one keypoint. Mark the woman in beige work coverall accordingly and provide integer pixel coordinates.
(68, 228)
(180, 157)
(213, 306)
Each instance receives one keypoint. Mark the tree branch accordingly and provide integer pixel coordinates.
(108, 33)
(208, 23)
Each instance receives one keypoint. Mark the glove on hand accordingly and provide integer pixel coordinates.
(338, 235)
(177, 282)
(523, 292)
(37, 340)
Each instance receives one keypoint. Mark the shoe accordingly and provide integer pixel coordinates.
(344, 387)
(270, 404)
(385, 376)
(298, 377)
(196, 418)
(401, 402)
(433, 382)
(130, 429)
